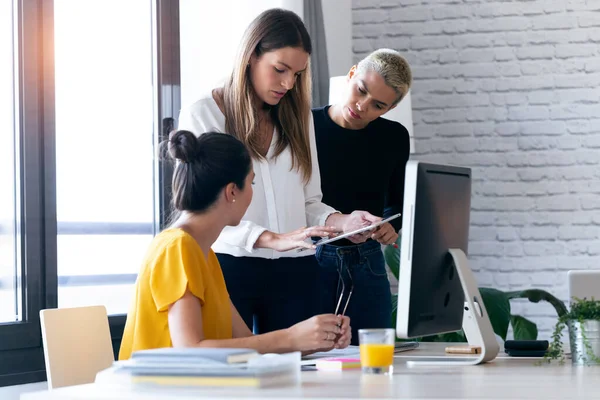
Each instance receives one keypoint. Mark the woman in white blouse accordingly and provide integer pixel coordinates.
(266, 104)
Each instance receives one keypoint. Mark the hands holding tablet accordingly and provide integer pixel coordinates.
(369, 227)
(356, 227)
(297, 239)
(385, 234)
(355, 222)
(378, 230)
(370, 230)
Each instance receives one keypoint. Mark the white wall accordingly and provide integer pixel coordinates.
(210, 32)
(338, 34)
(209, 41)
(512, 90)
(296, 6)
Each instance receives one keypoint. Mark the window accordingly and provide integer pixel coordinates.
(104, 149)
(87, 87)
(10, 293)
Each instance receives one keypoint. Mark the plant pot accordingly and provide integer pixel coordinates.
(585, 343)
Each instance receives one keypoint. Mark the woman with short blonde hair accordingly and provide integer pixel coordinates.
(362, 159)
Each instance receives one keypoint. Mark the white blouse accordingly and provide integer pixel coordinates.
(281, 202)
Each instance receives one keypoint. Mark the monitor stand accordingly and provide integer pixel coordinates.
(476, 323)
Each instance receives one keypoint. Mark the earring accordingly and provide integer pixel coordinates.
(233, 200)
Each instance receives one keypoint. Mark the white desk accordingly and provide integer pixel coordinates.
(504, 378)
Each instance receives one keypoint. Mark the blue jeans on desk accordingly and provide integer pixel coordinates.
(363, 266)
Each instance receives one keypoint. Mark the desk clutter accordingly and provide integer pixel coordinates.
(506, 377)
(227, 367)
(170, 367)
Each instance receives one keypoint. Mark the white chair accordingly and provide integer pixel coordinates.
(77, 344)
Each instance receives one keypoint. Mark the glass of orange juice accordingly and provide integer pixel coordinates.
(376, 350)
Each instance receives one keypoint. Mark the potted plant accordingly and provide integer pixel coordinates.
(583, 323)
(497, 305)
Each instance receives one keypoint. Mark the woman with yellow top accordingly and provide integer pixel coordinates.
(180, 295)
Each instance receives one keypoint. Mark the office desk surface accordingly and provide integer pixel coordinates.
(504, 378)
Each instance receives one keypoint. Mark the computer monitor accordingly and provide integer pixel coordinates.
(583, 284)
(437, 292)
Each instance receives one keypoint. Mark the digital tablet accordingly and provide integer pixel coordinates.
(360, 230)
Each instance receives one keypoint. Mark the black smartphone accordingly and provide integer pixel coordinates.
(526, 348)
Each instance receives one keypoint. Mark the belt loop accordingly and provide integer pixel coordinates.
(367, 247)
(361, 249)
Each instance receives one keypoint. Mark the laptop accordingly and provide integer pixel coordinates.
(584, 284)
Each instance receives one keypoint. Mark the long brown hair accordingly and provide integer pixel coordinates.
(272, 30)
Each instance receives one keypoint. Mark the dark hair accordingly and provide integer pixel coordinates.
(206, 164)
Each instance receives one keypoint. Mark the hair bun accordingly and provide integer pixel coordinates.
(183, 146)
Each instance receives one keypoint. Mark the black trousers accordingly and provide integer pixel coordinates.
(272, 294)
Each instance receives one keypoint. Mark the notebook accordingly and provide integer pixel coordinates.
(203, 374)
(195, 355)
(209, 367)
(214, 381)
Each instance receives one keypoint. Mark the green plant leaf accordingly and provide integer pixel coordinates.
(452, 337)
(394, 309)
(498, 309)
(446, 337)
(537, 295)
(523, 329)
(392, 258)
(582, 309)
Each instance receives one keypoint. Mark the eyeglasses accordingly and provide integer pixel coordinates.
(341, 280)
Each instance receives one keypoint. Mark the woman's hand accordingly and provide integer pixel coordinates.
(319, 333)
(345, 336)
(385, 234)
(357, 220)
(295, 239)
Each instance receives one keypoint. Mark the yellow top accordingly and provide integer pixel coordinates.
(173, 263)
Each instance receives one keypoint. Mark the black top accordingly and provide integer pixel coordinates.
(362, 169)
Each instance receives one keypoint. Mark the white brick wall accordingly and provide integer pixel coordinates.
(511, 89)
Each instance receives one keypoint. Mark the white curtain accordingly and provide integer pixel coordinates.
(313, 19)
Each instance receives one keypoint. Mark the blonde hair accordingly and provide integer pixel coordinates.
(272, 30)
(392, 67)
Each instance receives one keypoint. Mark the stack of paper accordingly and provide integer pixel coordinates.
(209, 367)
(196, 355)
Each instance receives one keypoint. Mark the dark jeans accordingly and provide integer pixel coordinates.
(272, 294)
(363, 266)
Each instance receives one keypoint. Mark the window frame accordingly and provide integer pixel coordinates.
(21, 349)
